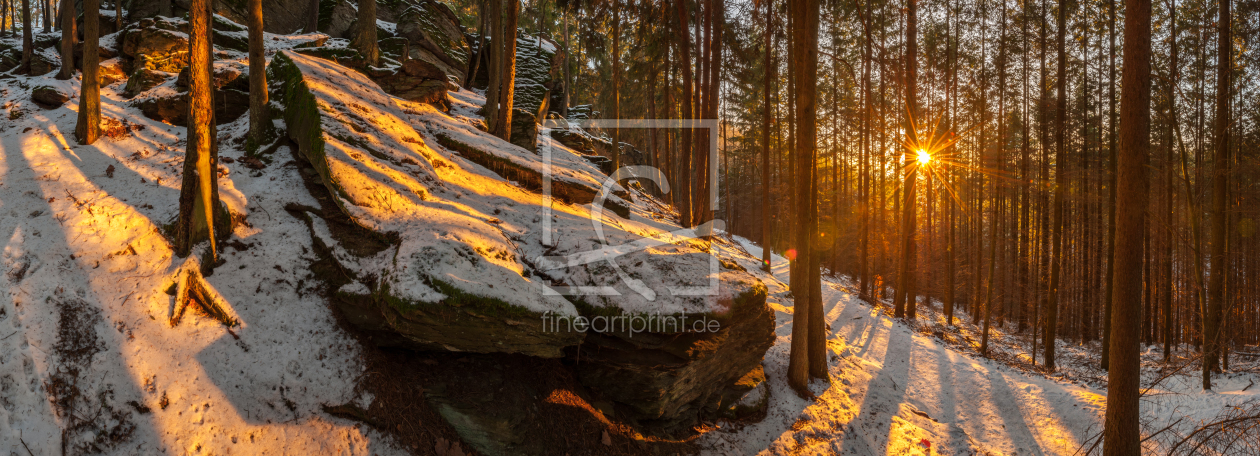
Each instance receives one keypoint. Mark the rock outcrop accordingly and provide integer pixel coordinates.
(480, 280)
(435, 36)
(50, 97)
(411, 79)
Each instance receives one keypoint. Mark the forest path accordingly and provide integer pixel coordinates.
(896, 391)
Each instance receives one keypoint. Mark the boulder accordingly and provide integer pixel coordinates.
(50, 97)
(538, 65)
(283, 16)
(667, 380)
(413, 79)
(525, 130)
(336, 16)
(172, 107)
(435, 36)
(144, 79)
(111, 71)
(347, 128)
(161, 42)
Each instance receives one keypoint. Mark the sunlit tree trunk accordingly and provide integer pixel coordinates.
(907, 294)
(1121, 434)
(88, 128)
(259, 121)
(199, 193)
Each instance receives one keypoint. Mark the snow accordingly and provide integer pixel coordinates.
(468, 227)
(79, 235)
(895, 390)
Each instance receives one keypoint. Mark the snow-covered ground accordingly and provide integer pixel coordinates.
(82, 256)
(895, 390)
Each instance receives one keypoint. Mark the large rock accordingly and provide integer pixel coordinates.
(159, 44)
(111, 71)
(282, 16)
(666, 380)
(435, 36)
(524, 130)
(413, 79)
(538, 65)
(351, 133)
(462, 263)
(50, 97)
(144, 79)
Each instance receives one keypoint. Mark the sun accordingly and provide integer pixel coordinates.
(924, 157)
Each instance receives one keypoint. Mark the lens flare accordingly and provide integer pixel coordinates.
(924, 157)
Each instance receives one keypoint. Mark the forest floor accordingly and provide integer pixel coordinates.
(923, 388)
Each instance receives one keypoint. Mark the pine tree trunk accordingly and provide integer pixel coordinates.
(1220, 187)
(685, 144)
(312, 17)
(616, 85)
(259, 121)
(365, 35)
(68, 39)
(1052, 298)
(1121, 434)
(88, 128)
(199, 194)
(494, 67)
(28, 45)
(769, 75)
(807, 319)
(507, 92)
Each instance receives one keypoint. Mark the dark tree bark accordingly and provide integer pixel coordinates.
(28, 45)
(801, 363)
(312, 17)
(616, 85)
(68, 39)
(164, 8)
(365, 35)
(1111, 231)
(1121, 435)
(507, 90)
(1060, 178)
(199, 192)
(768, 76)
(1220, 187)
(685, 144)
(88, 128)
(907, 293)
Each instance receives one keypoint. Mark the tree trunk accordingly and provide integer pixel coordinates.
(768, 76)
(68, 39)
(1060, 178)
(494, 67)
(1121, 434)
(807, 319)
(259, 121)
(312, 16)
(1220, 187)
(88, 128)
(365, 35)
(28, 45)
(508, 77)
(616, 85)
(685, 144)
(199, 193)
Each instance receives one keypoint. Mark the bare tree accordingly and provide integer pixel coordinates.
(802, 364)
(28, 45)
(312, 17)
(768, 76)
